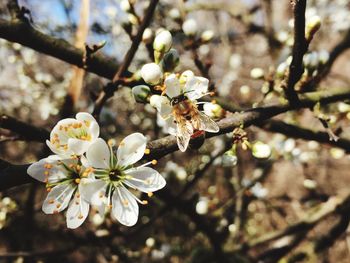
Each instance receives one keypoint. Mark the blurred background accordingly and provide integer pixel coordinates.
(217, 198)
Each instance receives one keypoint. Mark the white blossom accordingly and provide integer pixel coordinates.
(190, 27)
(115, 174)
(63, 182)
(73, 136)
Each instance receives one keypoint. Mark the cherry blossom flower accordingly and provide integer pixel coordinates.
(63, 183)
(179, 107)
(115, 175)
(73, 136)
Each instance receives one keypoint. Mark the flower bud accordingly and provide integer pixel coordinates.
(207, 35)
(261, 150)
(313, 24)
(257, 73)
(141, 93)
(125, 5)
(213, 110)
(151, 73)
(170, 60)
(147, 36)
(175, 14)
(163, 41)
(281, 70)
(190, 27)
(132, 19)
(323, 56)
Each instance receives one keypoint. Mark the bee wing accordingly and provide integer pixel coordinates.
(207, 124)
(183, 136)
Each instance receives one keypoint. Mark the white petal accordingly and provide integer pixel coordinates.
(84, 116)
(77, 211)
(93, 191)
(124, 207)
(58, 198)
(78, 147)
(41, 173)
(55, 150)
(145, 179)
(99, 154)
(131, 149)
(94, 130)
(196, 87)
(172, 85)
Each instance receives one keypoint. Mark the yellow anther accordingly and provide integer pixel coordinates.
(150, 194)
(144, 202)
(147, 151)
(77, 181)
(154, 162)
(213, 101)
(46, 173)
(78, 167)
(111, 142)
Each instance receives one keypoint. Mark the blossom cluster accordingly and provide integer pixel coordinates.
(175, 95)
(85, 171)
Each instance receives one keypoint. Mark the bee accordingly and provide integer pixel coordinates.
(189, 120)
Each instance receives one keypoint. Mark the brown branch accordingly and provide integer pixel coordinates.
(122, 71)
(26, 35)
(300, 47)
(26, 131)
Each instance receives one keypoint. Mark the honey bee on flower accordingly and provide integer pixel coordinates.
(178, 107)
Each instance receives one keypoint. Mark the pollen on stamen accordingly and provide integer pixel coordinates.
(150, 194)
(147, 151)
(144, 202)
(154, 162)
(111, 142)
(77, 180)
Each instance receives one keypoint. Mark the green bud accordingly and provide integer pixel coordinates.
(170, 60)
(141, 93)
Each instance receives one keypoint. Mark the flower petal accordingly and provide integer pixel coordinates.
(131, 149)
(196, 87)
(77, 211)
(93, 191)
(58, 198)
(78, 147)
(172, 85)
(84, 116)
(42, 173)
(99, 154)
(124, 207)
(145, 179)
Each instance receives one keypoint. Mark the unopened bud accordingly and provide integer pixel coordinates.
(313, 24)
(125, 5)
(133, 19)
(147, 36)
(170, 60)
(213, 110)
(207, 35)
(163, 41)
(151, 73)
(190, 27)
(175, 14)
(141, 93)
(323, 56)
(257, 73)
